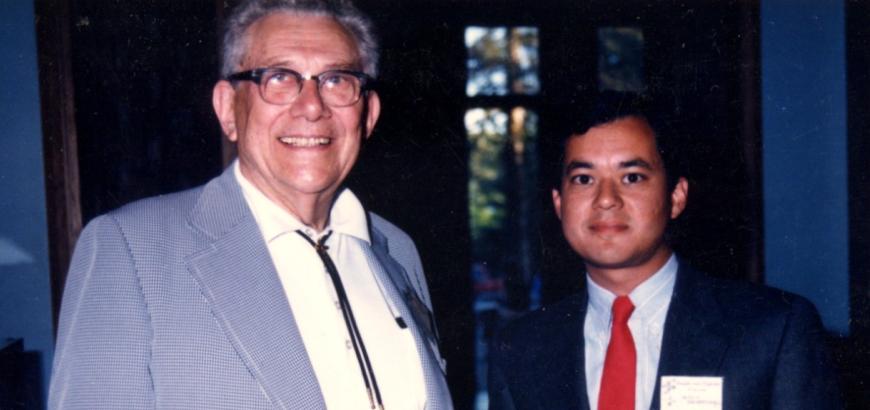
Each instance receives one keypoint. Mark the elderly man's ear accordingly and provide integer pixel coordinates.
(223, 99)
(373, 111)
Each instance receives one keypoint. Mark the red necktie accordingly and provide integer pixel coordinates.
(620, 368)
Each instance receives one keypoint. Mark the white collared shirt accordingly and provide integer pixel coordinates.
(651, 300)
(317, 312)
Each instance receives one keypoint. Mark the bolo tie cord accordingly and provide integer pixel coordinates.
(359, 348)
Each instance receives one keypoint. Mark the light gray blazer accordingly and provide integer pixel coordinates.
(173, 302)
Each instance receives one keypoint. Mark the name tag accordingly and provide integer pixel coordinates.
(695, 393)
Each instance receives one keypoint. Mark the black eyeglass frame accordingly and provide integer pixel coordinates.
(256, 76)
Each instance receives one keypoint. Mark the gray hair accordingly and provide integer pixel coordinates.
(235, 39)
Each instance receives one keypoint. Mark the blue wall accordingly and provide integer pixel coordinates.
(25, 296)
(803, 60)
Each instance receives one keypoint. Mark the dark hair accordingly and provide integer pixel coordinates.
(610, 106)
(243, 16)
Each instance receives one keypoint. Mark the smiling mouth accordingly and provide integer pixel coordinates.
(305, 141)
(608, 228)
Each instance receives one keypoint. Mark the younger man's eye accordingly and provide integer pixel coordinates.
(633, 178)
(581, 179)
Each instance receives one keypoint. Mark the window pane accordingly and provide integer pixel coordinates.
(524, 59)
(487, 134)
(524, 132)
(503, 209)
(487, 61)
(620, 59)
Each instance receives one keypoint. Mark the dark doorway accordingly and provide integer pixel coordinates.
(143, 74)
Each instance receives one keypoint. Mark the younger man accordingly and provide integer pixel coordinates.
(649, 328)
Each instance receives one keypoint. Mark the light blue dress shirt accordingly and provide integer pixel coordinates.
(651, 300)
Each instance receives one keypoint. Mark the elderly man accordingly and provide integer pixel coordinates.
(270, 286)
(649, 332)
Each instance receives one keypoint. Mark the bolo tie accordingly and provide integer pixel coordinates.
(362, 356)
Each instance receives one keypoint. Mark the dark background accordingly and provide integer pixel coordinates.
(142, 73)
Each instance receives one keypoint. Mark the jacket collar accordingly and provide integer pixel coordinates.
(237, 277)
(239, 280)
(694, 341)
(695, 335)
(558, 377)
(415, 315)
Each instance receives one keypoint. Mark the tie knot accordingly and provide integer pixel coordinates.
(622, 308)
(320, 245)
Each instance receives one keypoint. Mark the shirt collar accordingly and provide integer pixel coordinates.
(347, 215)
(648, 297)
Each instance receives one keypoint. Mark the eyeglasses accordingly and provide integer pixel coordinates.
(280, 86)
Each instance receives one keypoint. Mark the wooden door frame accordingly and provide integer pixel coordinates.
(59, 140)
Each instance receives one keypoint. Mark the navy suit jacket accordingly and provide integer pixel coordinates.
(768, 346)
(174, 302)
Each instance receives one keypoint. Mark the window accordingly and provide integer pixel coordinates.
(502, 131)
(502, 61)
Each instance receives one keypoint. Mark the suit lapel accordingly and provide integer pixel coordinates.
(580, 353)
(557, 373)
(695, 337)
(391, 276)
(238, 278)
(390, 270)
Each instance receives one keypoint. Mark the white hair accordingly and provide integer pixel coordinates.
(243, 16)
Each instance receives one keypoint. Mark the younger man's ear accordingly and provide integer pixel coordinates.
(679, 198)
(557, 203)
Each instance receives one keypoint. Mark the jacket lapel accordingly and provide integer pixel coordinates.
(695, 338)
(238, 278)
(575, 397)
(402, 296)
(550, 359)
